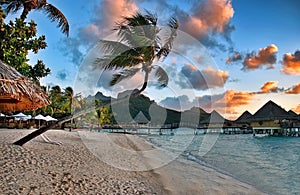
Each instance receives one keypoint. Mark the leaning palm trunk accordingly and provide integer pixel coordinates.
(139, 46)
(42, 130)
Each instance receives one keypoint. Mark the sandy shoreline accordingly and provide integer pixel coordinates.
(74, 168)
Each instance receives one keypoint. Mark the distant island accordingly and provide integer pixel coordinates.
(269, 119)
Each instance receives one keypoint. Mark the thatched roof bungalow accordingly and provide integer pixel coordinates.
(18, 93)
(244, 118)
(213, 120)
(140, 118)
(271, 117)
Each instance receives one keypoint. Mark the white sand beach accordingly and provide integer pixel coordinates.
(72, 168)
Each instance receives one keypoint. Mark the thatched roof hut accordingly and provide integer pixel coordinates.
(140, 118)
(293, 114)
(271, 111)
(244, 118)
(18, 93)
(213, 118)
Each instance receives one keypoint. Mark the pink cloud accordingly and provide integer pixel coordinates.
(228, 103)
(291, 63)
(212, 15)
(265, 56)
(202, 79)
(297, 109)
(294, 90)
(107, 14)
(269, 86)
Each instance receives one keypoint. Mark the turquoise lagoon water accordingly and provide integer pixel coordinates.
(271, 164)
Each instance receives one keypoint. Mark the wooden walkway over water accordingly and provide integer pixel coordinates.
(171, 129)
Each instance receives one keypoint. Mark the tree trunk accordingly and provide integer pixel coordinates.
(38, 132)
(24, 13)
(42, 130)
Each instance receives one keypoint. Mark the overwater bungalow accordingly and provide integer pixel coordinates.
(243, 120)
(273, 120)
(214, 122)
(141, 119)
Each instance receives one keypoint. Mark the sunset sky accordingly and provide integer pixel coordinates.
(248, 54)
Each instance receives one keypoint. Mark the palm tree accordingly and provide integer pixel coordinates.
(138, 48)
(68, 93)
(53, 13)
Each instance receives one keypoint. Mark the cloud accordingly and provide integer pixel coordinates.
(291, 63)
(105, 15)
(234, 80)
(265, 56)
(206, 102)
(178, 103)
(70, 48)
(238, 98)
(297, 109)
(204, 19)
(202, 80)
(237, 56)
(228, 102)
(208, 16)
(294, 90)
(270, 86)
(62, 75)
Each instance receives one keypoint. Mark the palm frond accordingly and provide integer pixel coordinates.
(137, 20)
(124, 33)
(125, 74)
(165, 50)
(138, 25)
(162, 76)
(129, 58)
(142, 41)
(113, 47)
(151, 17)
(137, 36)
(56, 15)
(173, 24)
(12, 6)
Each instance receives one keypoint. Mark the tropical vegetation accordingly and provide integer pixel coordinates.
(139, 47)
(17, 39)
(55, 15)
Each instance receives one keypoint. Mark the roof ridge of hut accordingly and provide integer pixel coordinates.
(141, 118)
(270, 111)
(244, 117)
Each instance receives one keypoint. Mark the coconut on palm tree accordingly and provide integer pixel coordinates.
(55, 15)
(138, 48)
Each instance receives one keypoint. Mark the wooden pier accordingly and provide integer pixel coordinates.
(277, 131)
(170, 129)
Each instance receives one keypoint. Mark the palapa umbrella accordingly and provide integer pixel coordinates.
(50, 118)
(18, 93)
(20, 115)
(39, 117)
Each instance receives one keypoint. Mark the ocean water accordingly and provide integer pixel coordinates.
(271, 164)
